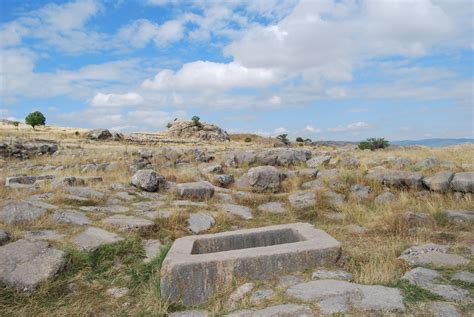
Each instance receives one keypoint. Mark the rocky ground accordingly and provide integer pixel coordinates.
(84, 227)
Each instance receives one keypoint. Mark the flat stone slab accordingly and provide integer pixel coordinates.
(331, 275)
(197, 267)
(47, 235)
(426, 279)
(289, 280)
(128, 223)
(441, 309)
(463, 277)
(236, 296)
(24, 264)
(15, 212)
(432, 254)
(302, 200)
(70, 216)
(237, 210)
(190, 313)
(273, 207)
(460, 217)
(196, 190)
(285, 310)
(152, 249)
(335, 296)
(92, 238)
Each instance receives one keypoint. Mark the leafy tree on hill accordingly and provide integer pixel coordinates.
(373, 144)
(35, 118)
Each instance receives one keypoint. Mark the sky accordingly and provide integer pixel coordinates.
(319, 69)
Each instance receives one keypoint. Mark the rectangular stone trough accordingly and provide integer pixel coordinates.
(198, 267)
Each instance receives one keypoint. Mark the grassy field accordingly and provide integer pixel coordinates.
(371, 256)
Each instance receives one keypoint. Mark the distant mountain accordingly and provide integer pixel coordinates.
(433, 142)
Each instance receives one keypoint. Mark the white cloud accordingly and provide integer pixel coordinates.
(280, 130)
(116, 100)
(351, 127)
(312, 129)
(203, 75)
(142, 31)
(275, 100)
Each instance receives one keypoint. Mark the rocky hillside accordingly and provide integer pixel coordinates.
(187, 129)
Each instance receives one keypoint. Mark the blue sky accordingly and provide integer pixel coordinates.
(339, 70)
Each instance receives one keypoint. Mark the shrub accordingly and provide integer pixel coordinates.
(283, 138)
(196, 119)
(169, 125)
(373, 144)
(248, 140)
(35, 118)
(76, 133)
(299, 139)
(16, 123)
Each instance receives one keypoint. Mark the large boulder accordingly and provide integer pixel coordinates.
(100, 134)
(401, 179)
(14, 212)
(148, 180)
(439, 181)
(261, 179)
(188, 129)
(196, 190)
(24, 264)
(463, 182)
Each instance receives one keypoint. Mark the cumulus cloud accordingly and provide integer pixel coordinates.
(116, 100)
(280, 130)
(141, 32)
(204, 75)
(312, 129)
(351, 127)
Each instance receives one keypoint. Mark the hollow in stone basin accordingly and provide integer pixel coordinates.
(197, 267)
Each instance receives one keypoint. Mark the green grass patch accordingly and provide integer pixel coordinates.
(413, 293)
(441, 218)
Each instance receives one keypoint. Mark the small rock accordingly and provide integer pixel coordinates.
(200, 222)
(432, 254)
(460, 217)
(261, 179)
(214, 169)
(302, 200)
(4, 237)
(463, 277)
(197, 190)
(442, 309)
(463, 182)
(152, 249)
(69, 216)
(315, 184)
(236, 296)
(361, 191)
(289, 280)
(14, 212)
(335, 199)
(414, 219)
(128, 223)
(329, 173)
(426, 163)
(100, 134)
(384, 198)
(285, 310)
(261, 295)
(148, 180)
(272, 207)
(317, 161)
(92, 238)
(224, 180)
(117, 292)
(350, 162)
(334, 275)
(237, 210)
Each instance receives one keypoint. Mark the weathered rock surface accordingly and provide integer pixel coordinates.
(302, 200)
(197, 190)
(261, 295)
(397, 178)
(463, 277)
(200, 222)
(46, 235)
(148, 180)
(289, 280)
(24, 264)
(261, 179)
(442, 309)
(416, 219)
(274, 207)
(187, 129)
(318, 160)
(128, 223)
(214, 169)
(285, 310)
(152, 249)
(385, 198)
(190, 313)
(100, 134)
(25, 149)
(92, 238)
(315, 184)
(70, 216)
(463, 182)
(335, 296)
(4, 237)
(361, 191)
(237, 210)
(432, 254)
(224, 180)
(439, 181)
(237, 295)
(460, 216)
(14, 212)
(331, 275)
(425, 278)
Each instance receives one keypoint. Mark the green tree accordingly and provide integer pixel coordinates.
(373, 144)
(299, 139)
(35, 118)
(196, 119)
(283, 138)
(248, 140)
